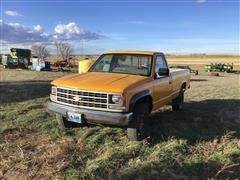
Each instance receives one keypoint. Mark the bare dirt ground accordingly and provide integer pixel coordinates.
(26, 154)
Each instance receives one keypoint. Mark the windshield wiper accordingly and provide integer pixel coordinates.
(128, 73)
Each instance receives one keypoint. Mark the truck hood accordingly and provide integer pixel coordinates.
(100, 81)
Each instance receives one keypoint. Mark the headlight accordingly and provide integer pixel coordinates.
(117, 102)
(116, 99)
(54, 90)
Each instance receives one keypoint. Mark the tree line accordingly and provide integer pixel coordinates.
(64, 50)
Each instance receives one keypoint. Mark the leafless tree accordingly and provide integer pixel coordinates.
(64, 50)
(41, 51)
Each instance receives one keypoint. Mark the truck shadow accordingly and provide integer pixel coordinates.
(204, 120)
(17, 91)
(198, 170)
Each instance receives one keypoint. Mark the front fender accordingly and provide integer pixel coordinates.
(137, 97)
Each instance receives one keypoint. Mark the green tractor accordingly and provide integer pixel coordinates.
(18, 58)
(228, 67)
(219, 67)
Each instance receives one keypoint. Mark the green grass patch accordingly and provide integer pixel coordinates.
(202, 141)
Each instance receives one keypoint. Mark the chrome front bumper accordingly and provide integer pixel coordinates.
(93, 116)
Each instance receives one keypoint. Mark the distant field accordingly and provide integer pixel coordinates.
(192, 60)
(200, 142)
(204, 60)
(207, 60)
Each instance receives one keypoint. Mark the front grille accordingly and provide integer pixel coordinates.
(82, 98)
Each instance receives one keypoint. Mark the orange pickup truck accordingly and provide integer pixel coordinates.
(121, 88)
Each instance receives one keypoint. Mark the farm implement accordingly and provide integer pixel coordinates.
(18, 58)
(219, 67)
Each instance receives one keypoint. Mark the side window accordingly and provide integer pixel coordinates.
(160, 63)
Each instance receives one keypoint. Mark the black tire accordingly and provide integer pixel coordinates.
(177, 103)
(136, 130)
(64, 123)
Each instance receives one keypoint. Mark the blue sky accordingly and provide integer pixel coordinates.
(187, 26)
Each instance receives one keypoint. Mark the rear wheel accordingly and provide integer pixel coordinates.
(177, 103)
(137, 127)
(64, 123)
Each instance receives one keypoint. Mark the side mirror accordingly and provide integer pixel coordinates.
(163, 72)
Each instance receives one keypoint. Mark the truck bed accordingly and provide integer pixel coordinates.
(179, 76)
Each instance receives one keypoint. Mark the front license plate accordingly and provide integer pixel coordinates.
(74, 117)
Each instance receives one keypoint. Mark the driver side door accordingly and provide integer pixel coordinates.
(162, 83)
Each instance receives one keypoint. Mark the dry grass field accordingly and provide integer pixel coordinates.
(196, 61)
(200, 142)
(199, 61)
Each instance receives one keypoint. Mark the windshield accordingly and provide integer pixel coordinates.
(127, 64)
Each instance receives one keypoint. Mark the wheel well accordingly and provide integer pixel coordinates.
(147, 100)
(184, 85)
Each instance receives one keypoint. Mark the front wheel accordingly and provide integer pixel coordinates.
(177, 103)
(137, 127)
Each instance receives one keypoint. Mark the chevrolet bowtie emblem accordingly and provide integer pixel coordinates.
(77, 98)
